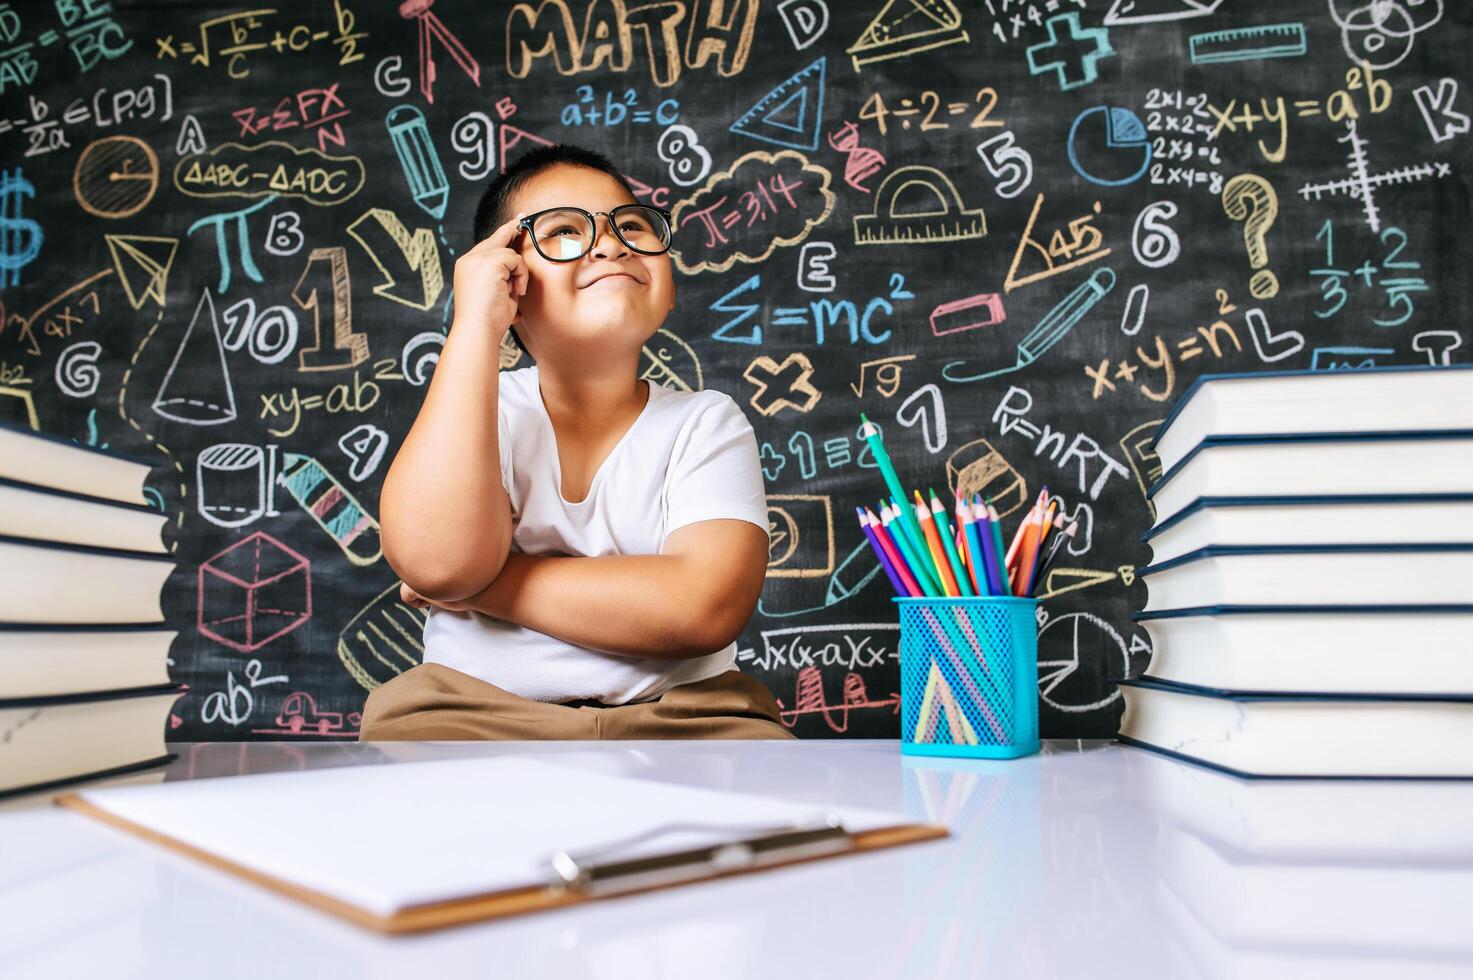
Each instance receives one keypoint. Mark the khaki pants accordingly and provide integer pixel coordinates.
(432, 702)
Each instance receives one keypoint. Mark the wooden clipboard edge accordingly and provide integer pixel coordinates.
(475, 908)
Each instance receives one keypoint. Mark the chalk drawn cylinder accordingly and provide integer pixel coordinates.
(231, 477)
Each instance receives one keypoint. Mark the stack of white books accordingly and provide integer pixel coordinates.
(1311, 585)
(84, 679)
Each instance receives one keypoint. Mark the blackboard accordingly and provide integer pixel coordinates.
(1010, 231)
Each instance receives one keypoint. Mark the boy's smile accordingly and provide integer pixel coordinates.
(604, 305)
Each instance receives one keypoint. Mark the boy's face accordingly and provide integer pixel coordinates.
(612, 299)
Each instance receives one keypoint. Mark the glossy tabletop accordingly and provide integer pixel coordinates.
(1088, 860)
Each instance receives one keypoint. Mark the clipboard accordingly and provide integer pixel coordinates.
(617, 867)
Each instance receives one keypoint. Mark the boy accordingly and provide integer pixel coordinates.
(595, 585)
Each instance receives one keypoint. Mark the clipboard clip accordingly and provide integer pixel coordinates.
(771, 845)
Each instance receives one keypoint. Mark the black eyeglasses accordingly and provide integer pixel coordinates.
(567, 234)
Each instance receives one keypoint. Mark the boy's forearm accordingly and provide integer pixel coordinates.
(445, 515)
(630, 605)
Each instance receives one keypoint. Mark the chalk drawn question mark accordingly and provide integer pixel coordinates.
(1251, 199)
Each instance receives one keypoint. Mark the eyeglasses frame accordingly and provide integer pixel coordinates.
(592, 216)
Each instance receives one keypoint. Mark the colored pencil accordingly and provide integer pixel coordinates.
(983, 525)
(977, 560)
(874, 543)
(1036, 552)
(882, 538)
(1027, 540)
(947, 533)
(933, 541)
(918, 544)
(871, 435)
(920, 566)
(1060, 543)
(891, 524)
(998, 551)
(1019, 536)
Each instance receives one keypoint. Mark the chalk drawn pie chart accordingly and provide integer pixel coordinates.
(116, 177)
(1109, 145)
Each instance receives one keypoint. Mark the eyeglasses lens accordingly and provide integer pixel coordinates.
(566, 234)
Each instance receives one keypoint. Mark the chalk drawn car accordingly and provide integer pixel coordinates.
(299, 713)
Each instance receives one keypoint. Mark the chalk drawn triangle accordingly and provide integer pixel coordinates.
(789, 115)
(510, 136)
(1156, 11)
(907, 27)
(142, 262)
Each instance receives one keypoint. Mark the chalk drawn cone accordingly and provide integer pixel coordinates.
(196, 389)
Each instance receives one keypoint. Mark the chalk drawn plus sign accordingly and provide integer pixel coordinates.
(1075, 55)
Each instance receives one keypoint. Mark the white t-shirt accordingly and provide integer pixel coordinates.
(690, 456)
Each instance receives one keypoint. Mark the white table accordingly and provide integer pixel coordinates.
(1090, 860)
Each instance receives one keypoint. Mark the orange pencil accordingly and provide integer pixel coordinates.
(1027, 539)
(1017, 542)
(938, 552)
(1033, 548)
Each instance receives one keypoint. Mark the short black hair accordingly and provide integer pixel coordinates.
(493, 210)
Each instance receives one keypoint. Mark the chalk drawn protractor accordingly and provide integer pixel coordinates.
(116, 177)
(940, 214)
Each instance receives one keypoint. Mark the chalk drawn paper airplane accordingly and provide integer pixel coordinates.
(1155, 11)
(907, 27)
(790, 114)
(142, 263)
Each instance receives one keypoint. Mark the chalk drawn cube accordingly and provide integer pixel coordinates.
(253, 592)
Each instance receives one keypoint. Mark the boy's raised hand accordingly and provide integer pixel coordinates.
(490, 279)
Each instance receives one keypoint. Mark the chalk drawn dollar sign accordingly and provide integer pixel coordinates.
(20, 238)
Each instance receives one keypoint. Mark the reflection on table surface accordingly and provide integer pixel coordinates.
(1088, 860)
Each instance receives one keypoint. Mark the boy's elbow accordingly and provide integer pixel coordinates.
(722, 620)
(440, 577)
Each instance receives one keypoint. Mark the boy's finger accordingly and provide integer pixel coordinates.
(502, 237)
(519, 277)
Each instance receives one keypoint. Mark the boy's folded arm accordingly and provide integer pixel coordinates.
(691, 600)
(445, 516)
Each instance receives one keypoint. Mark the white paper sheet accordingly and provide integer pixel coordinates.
(386, 837)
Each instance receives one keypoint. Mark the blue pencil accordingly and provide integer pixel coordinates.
(989, 549)
(975, 553)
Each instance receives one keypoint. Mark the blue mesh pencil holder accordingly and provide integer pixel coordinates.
(968, 676)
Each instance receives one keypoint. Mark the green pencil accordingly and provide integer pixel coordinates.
(871, 434)
(943, 524)
(999, 549)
